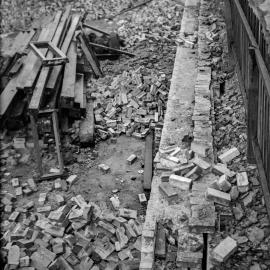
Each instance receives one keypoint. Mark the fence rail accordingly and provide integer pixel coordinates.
(251, 50)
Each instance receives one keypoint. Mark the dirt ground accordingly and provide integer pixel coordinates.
(123, 180)
(97, 187)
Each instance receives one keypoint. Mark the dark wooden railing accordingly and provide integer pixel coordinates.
(251, 52)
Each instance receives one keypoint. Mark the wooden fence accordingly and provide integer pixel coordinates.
(251, 51)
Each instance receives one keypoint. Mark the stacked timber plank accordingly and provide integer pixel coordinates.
(47, 87)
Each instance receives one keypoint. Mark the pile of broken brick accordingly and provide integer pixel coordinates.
(180, 171)
(67, 233)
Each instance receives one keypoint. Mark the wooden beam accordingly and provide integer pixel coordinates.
(148, 161)
(69, 79)
(45, 72)
(10, 90)
(90, 55)
(64, 48)
(87, 126)
(36, 143)
(80, 97)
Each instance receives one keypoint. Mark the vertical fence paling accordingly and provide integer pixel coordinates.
(251, 51)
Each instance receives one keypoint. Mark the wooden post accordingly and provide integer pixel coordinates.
(148, 162)
(252, 112)
(57, 141)
(36, 143)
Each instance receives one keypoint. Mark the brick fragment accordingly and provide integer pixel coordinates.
(221, 169)
(25, 261)
(42, 198)
(108, 227)
(218, 196)
(142, 198)
(229, 155)
(205, 166)
(180, 182)
(242, 182)
(223, 183)
(224, 249)
(131, 159)
(72, 179)
(13, 256)
(15, 182)
(128, 213)
(32, 184)
(14, 216)
(104, 168)
(169, 191)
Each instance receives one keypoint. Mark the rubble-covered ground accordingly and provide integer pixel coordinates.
(246, 221)
(87, 198)
(149, 32)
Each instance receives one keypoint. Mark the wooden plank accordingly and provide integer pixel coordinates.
(58, 32)
(264, 183)
(79, 91)
(64, 48)
(61, 30)
(32, 63)
(90, 56)
(148, 162)
(45, 73)
(68, 87)
(87, 126)
(10, 90)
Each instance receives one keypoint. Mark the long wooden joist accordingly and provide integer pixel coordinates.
(45, 72)
(90, 55)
